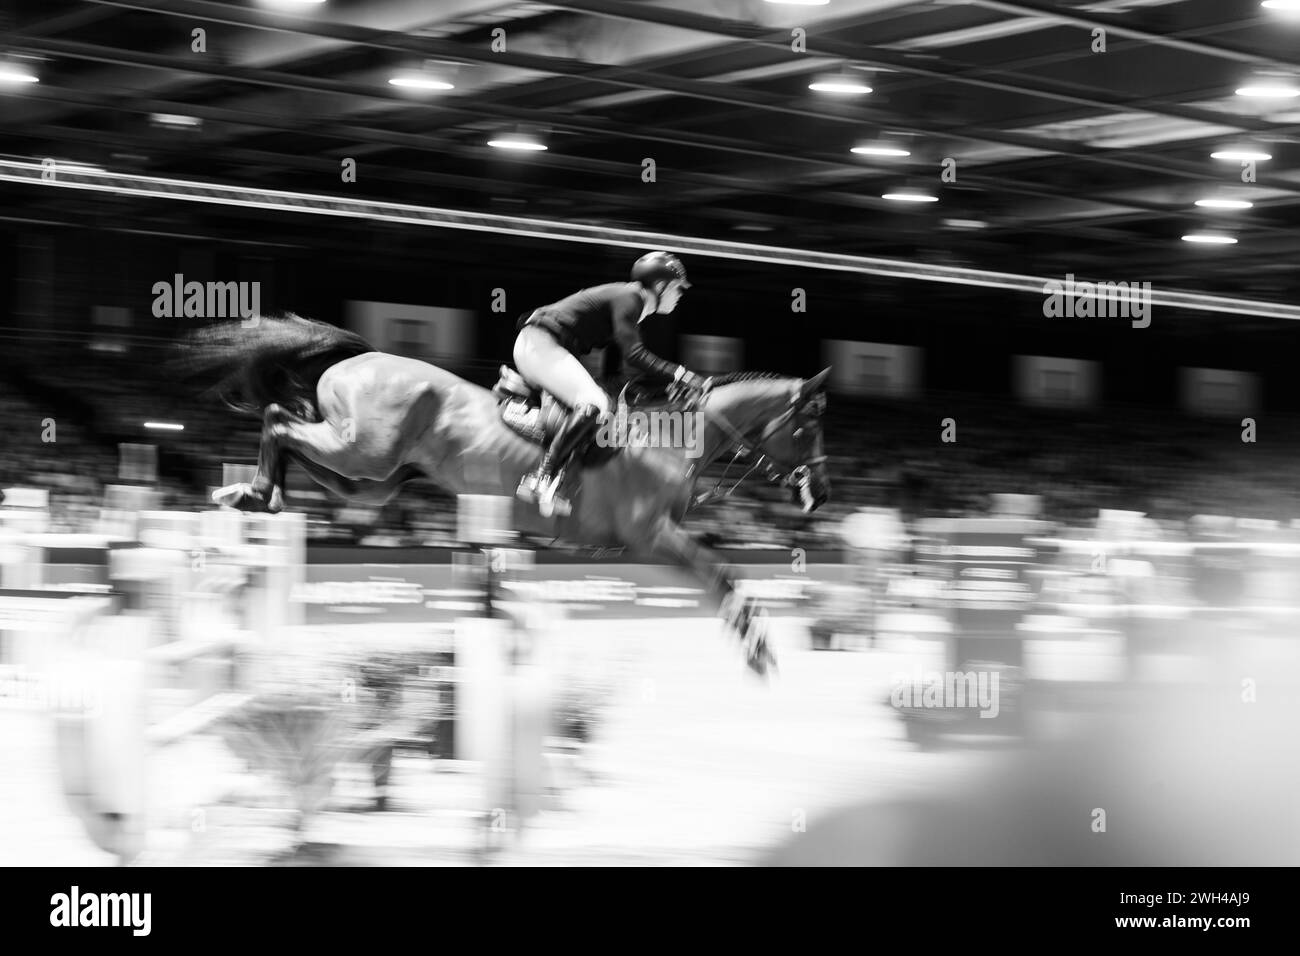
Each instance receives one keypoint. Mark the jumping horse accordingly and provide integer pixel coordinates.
(361, 423)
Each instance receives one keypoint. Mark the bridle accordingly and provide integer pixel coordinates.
(797, 475)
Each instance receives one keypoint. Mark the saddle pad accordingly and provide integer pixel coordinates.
(537, 424)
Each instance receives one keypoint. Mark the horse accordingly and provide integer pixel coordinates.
(362, 423)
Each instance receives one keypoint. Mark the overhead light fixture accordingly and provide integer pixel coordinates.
(909, 196)
(174, 119)
(419, 81)
(428, 76)
(1225, 203)
(879, 150)
(1269, 90)
(165, 426)
(844, 83)
(13, 73)
(517, 141)
(1242, 154)
(1210, 238)
(1286, 6)
(800, 3)
(965, 224)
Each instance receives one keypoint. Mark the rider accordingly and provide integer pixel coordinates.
(551, 337)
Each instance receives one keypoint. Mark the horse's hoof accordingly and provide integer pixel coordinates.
(232, 496)
(241, 497)
(761, 661)
(551, 507)
(550, 503)
(527, 490)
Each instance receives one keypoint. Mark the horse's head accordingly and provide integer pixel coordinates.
(790, 445)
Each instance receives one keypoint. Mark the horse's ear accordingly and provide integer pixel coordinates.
(815, 384)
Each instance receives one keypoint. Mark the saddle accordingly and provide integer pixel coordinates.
(527, 411)
(536, 415)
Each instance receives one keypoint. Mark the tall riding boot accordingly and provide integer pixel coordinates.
(574, 432)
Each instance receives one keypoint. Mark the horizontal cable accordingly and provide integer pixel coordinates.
(72, 176)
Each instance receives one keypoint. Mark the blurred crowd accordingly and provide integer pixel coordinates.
(65, 422)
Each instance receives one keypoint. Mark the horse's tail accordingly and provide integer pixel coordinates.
(270, 359)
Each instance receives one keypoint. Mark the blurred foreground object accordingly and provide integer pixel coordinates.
(1179, 780)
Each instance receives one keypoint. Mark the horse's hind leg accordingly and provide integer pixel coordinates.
(365, 449)
(669, 541)
(285, 436)
(266, 491)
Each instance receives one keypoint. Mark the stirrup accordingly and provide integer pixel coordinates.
(549, 501)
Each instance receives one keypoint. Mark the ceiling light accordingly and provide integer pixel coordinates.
(1210, 238)
(165, 426)
(909, 197)
(1224, 203)
(1288, 6)
(1269, 90)
(420, 81)
(12, 73)
(844, 83)
(800, 3)
(965, 224)
(174, 119)
(879, 151)
(1243, 154)
(522, 143)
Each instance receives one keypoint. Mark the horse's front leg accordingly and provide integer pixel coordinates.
(669, 541)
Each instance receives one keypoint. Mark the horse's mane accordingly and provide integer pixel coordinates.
(731, 378)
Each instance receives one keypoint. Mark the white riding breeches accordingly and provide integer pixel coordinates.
(549, 365)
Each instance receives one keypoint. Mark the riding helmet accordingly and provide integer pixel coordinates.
(654, 266)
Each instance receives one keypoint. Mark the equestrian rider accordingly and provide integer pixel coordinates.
(551, 338)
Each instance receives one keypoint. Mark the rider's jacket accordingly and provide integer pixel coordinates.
(599, 316)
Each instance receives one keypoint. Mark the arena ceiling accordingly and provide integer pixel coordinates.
(1067, 158)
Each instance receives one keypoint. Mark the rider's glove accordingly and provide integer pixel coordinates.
(688, 386)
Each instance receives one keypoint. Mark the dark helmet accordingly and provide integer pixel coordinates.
(654, 266)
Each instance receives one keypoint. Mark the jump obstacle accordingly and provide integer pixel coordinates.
(155, 654)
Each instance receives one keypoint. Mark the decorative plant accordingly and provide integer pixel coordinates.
(299, 739)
